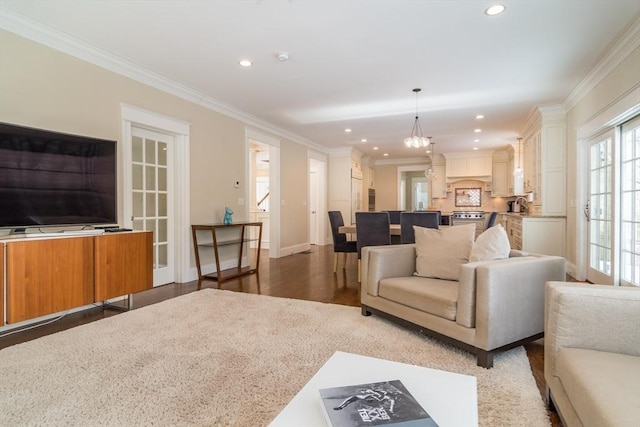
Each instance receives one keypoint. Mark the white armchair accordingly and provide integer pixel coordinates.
(495, 305)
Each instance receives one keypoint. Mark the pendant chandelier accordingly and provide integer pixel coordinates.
(430, 173)
(417, 140)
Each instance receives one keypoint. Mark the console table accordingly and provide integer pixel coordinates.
(218, 241)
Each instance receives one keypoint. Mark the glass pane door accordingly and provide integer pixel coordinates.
(630, 203)
(599, 211)
(150, 204)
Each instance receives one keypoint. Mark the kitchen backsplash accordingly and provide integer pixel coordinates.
(488, 204)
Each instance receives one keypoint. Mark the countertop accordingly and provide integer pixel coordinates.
(525, 215)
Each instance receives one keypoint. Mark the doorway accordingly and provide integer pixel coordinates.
(263, 174)
(413, 188)
(260, 199)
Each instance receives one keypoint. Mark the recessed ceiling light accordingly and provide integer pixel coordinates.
(496, 9)
(363, 140)
(479, 116)
(477, 130)
(245, 63)
(375, 148)
(476, 140)
(475, 148)
(347, 130)
(385, 154)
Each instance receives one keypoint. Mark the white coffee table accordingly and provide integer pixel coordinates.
(451, 399)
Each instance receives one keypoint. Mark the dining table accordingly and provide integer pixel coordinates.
(394, 229)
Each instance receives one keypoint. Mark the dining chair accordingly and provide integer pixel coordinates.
(394, 216)
(372, 229)
(421, 219)
(340, 242)
(491, 221)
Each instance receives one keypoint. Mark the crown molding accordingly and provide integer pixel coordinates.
(618, 52)
(35, 31)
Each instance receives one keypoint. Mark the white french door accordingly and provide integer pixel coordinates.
(630, 203)
(599, 210)
(613, 206)
(151, 201)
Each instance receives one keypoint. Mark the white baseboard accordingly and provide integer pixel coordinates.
(295, 249)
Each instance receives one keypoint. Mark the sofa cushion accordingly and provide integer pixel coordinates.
(492, 244)
(603, 387)
(433, 296)
(441, 252)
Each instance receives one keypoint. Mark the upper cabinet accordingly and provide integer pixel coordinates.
(468, 165)
(544, 158)
(500, 174)
(438, 184)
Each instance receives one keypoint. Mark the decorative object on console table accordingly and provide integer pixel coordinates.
(228, 216)
(387, 403)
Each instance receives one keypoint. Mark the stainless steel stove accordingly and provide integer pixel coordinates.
(469, 217)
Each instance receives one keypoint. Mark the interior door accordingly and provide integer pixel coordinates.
(599, 210)
(152, 198)
(314, 192)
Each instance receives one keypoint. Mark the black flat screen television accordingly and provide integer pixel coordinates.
(55, 179)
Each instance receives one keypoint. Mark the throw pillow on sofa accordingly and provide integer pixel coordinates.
(492, 244)
(440, 253)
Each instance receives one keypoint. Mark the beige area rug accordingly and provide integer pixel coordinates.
(222, 358)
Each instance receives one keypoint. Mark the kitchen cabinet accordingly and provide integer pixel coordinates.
(500, 174)
(1, 282)
(345, 182)
(466, 165)
(371, 177)
(544, 159)
(439, 184)
(535, 234)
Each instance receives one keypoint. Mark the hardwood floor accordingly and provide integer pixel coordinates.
(307, 276)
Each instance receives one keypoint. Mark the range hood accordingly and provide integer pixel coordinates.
(476, 166)
(482, 178)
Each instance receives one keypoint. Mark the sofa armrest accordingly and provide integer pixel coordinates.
(510, 298)
(382, 262)
(595, 317)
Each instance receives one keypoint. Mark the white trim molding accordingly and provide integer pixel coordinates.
(54, 39)
(620, 50)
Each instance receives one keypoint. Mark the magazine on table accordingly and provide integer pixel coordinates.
(386, 403)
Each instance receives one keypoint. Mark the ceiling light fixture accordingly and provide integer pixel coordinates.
(417, 140)
(376, 148)
(245, 63)
(430, 173)
(479, 117)
(494, 10)
(363, 140)
(477, 130)
(347, 130)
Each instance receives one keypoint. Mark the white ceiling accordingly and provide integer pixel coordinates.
(353, 63)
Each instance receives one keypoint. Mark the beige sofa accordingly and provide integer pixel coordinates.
(495, 305)
(592, 354)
